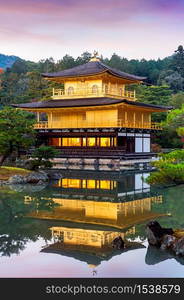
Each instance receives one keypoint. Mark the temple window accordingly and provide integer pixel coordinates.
(70, 90)
(71, 183)
(105, 184)
(55, 142)
(94, 89)
(91, 141)
(91, 184)
(105, 142)
(70, 142)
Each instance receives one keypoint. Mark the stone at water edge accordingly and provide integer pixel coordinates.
(35, 177)
(179, 246)
(168, 242)
(16, 179)
(118, 243)
(155, 233)
(165, 238)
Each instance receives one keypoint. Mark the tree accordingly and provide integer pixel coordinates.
(42, 156)
(180, 132)
(170, 169)
(157, 95)
(178, 60)
(177, 100)
(16, 131)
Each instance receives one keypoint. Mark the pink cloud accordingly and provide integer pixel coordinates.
(75, 26)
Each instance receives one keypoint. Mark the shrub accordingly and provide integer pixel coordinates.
(170, 169)
(41, 157)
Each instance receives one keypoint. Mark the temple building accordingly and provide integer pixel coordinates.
(95, 114)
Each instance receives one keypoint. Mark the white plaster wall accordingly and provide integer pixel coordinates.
(138, 144)
(138, 182)
(146, 144)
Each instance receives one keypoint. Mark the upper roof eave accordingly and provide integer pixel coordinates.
(91, 69)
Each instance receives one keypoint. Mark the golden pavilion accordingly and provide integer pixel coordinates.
(95, 113)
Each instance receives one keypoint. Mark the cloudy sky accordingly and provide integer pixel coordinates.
(36, 29)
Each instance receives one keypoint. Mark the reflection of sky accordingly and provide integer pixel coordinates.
(32, 263)
(36, 29)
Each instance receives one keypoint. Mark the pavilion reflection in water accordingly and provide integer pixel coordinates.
(108, 202)
(98, 208)
(88, 245)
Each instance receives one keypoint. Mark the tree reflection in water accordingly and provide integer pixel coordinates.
(15, 229)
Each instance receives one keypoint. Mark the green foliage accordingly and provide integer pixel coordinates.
(23, 83)
(170, 169)
(42, 156)
(16, 131)
(177, 100)
(180, 131)
(157, 95)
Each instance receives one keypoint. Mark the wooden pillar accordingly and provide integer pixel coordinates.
(149, 120)
(134, 119)
(126, 118)
(38, 117)
(51, 120)
(111, 142)
(142, 120)
(109, 88)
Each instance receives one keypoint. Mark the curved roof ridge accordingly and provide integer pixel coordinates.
(92, 68)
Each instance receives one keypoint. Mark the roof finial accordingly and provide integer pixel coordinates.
(95, 56)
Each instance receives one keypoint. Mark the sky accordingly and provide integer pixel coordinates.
(38, 29)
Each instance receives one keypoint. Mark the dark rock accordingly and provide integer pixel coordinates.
(35, 177)
(179, 246)
(155, 233)
(118, 243)
(165, 238)
(168, 242)
(40, 182)
(55, 176)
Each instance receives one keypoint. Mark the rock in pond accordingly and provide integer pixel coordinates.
(118, 243)
(35, 177)
(16, 179)
(155, 233)
(165, 238)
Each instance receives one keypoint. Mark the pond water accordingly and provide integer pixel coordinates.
(65, 229)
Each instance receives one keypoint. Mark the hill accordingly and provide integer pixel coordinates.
(6, 61)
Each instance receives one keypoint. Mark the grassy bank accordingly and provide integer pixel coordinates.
(7, 172)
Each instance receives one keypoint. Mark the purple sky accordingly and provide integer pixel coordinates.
(36, 29)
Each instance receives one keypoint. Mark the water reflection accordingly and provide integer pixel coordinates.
(88, 245)
(113, 203)
(80, 215)
(155, 255)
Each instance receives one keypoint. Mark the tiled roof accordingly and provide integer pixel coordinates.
(92, 68)
(86, 102)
